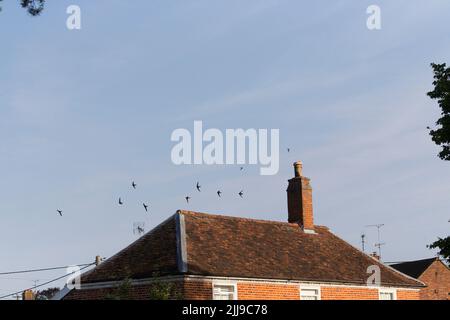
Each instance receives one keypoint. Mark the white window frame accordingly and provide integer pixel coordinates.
(226, 284)
(389, 291)
(311, 287)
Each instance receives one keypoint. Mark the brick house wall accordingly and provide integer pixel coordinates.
(136, 292)
(437, 279)
(254, 290)
(197, 290)
(202, 289)
(349, 293)
(408, 295)
(267, 291)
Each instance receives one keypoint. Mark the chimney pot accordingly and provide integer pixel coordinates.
(375, 255)
(298, 166)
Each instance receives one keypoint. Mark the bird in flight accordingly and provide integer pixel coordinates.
(134, 185)
(187, 199)
(219, 193)
(145, 207)
(120, 201)
(241, 193)
(198, 186)
(59, 212)
(140, 230)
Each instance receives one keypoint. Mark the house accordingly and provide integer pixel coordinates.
(433, 272)
(206, 256)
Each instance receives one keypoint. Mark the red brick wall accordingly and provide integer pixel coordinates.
(197, 289)
(437, 279)
(136, 292)
(262, 291)
(202, 290)
(408, 294)
(348, 293)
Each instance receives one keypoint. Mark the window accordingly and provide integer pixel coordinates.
(309, 293)
(224, 292)
(387, 294)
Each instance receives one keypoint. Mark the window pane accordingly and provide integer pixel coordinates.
(386, 296)
(309, 294)
(223, 293)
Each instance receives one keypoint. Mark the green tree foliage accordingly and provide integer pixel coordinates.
(33, 7)
(441, 93)
(46, 294)
(444, 248)
(122, 292)
(161, 290)
(441, 135)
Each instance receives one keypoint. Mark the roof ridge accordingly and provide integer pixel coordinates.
(222, 216)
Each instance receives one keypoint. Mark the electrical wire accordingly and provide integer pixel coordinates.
(39, 270)
(45, 283)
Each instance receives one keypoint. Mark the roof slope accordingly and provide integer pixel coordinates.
(211, 245)
(414, 268)
(238, 247)
(155, 252)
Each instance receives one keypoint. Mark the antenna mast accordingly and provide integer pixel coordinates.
(379, 243)
(363, 241)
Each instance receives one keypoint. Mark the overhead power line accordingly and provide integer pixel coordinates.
(45, 283)
(42, 269)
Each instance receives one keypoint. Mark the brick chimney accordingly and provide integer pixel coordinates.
(299, 194)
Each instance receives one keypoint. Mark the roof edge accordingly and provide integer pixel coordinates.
(87, 273)
(431, 260)
(420, 283)
(181, 242)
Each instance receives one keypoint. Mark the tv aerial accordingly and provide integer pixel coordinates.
(363, 241)
(379, 243)
(138, 228)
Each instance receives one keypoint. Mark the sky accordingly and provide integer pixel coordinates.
(85, 112)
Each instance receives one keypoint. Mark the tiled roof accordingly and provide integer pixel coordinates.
(212, 245)
(414, 268)
(155, 252)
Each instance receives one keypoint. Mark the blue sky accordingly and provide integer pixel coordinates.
(83, 113)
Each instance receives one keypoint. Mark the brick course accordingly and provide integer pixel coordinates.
(263, 291)
(408, 295)
(202, 289)
(437, 279)
(136, 292)
(197, 290)
(348, 293)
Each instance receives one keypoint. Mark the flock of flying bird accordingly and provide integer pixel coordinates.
(219, 193)
(134, 185)
(187, 198)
